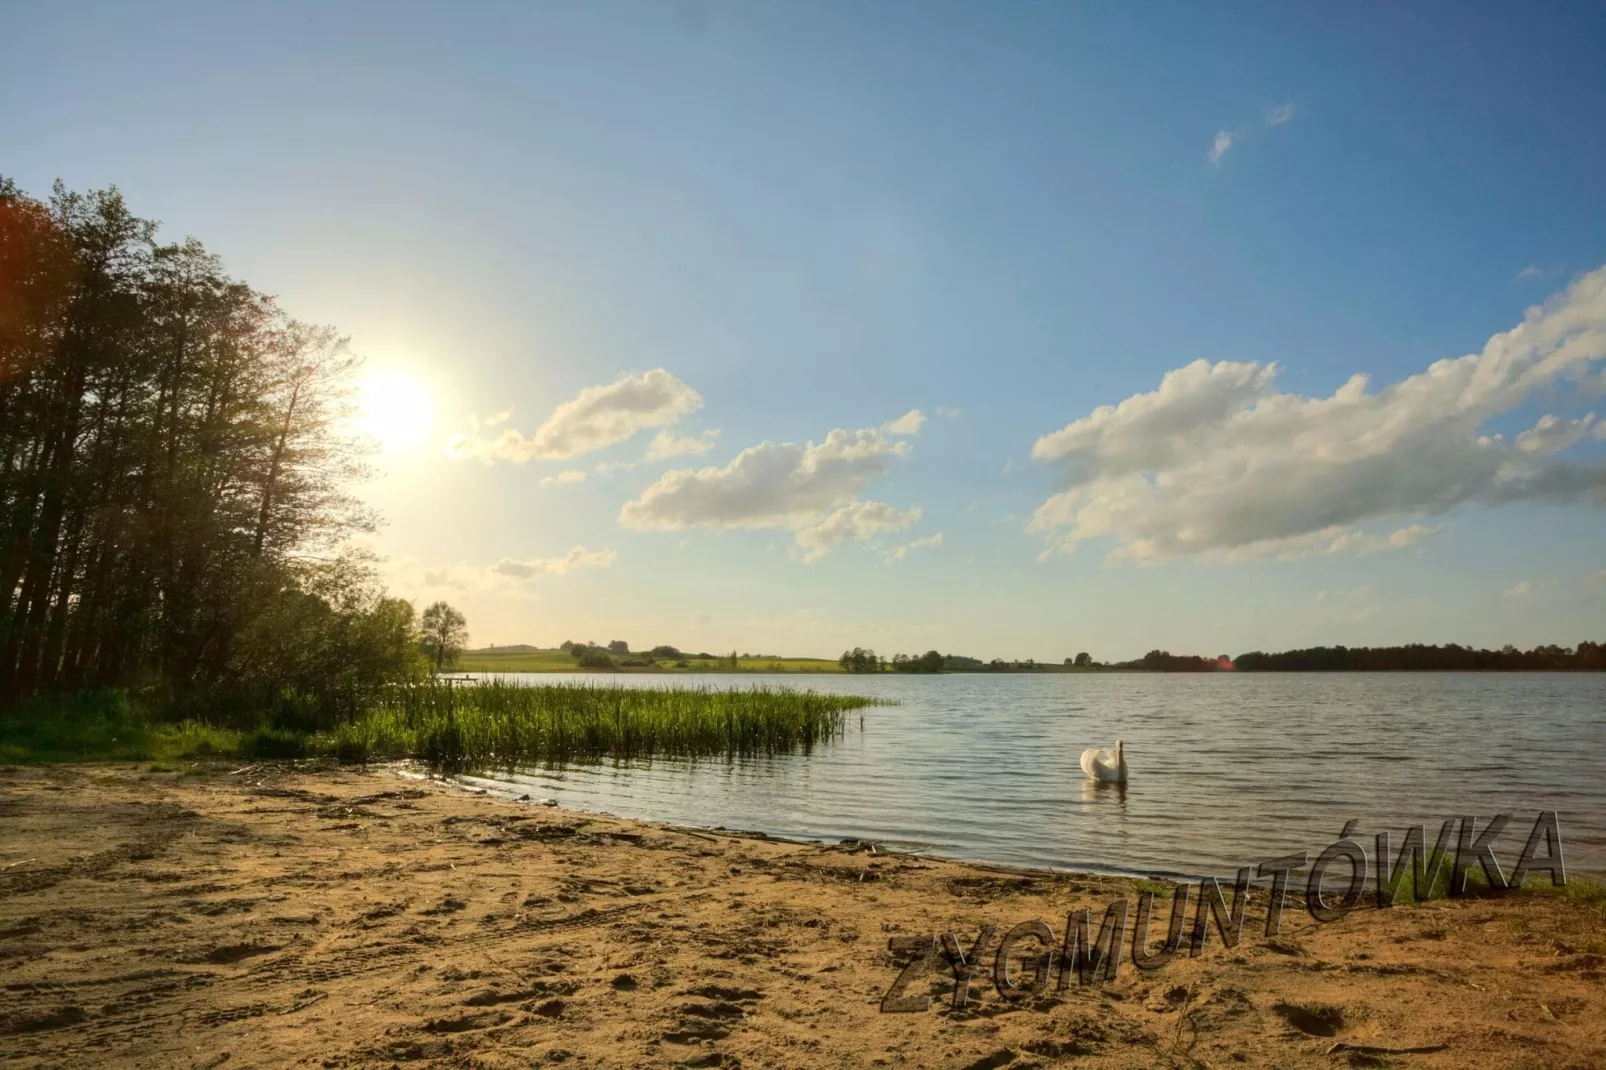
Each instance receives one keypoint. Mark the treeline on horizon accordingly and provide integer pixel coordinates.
(1413, 657)
(175, 465)
(1418, 657)
(617, 654)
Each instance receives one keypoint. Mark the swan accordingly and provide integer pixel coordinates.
(1101, 764)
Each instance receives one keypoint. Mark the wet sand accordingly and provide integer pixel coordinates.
(265, 917)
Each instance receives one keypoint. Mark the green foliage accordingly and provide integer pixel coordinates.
(930, 661)
(450, 727)
(322, 649)
(1165, 661)
(175, 451)
(445, 631)
(496, 723)
(104, 726)
(1145, 884)
(1416, 657)
(1440, 865)
(859, 660)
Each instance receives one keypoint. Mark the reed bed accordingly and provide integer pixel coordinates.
(494, 723)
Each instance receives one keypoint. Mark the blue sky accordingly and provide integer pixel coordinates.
(818, 217)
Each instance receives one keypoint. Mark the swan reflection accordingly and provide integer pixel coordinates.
(1104, 792)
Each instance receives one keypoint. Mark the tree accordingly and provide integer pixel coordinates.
(174, 452)
(595, 658)
(618, 646)
(1083, 660)
(445, 630)
(859, 660)
(333, 640)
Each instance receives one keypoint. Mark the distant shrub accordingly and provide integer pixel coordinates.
(596, 659)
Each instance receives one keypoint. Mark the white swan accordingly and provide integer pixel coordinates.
(1101, 764)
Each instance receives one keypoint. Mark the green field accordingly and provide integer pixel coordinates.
(557, 661)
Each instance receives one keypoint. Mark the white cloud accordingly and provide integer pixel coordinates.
(907, 424)
(948, 412)
(608, 468)
(1532, 271)
(1520, 589)
(899, 553)
(1552, 434)
(1223, 142)
(664, 445)
(531, 567)
(854, 522)
(408, 576)
(1216, 464)
(1226, 139)
(597, 417)
(770, 485)
(564, 478)
(1335, 539)
(1362, 593)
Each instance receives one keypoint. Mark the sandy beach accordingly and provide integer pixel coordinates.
(264, 917)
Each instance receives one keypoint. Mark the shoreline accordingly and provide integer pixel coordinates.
(262, 916)
(460, 782)
(880, 846)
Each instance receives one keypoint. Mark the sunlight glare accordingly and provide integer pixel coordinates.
(396, 409)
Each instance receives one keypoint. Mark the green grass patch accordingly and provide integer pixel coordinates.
(1145, 884)
(482, 725)
(104, 726)
(495, 723)
(1440, 867)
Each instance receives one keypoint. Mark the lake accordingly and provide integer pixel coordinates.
(1224, 769)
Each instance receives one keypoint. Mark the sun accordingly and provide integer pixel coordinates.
(396, 409)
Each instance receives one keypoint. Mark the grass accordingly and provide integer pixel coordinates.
(106, 726)
(559, 661)
(1578, 889)
(497, 723)
(484, 725)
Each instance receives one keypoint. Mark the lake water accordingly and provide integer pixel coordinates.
(1224, 770)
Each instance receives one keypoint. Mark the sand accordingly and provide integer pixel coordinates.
(267, 917)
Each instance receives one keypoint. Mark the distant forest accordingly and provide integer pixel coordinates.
(1587, 657)
(1417, 657)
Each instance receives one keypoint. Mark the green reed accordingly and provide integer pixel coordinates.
(495, 723)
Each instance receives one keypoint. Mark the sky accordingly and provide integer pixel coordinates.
(1010, 330)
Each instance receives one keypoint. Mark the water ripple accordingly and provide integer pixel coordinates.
(1225, 770)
